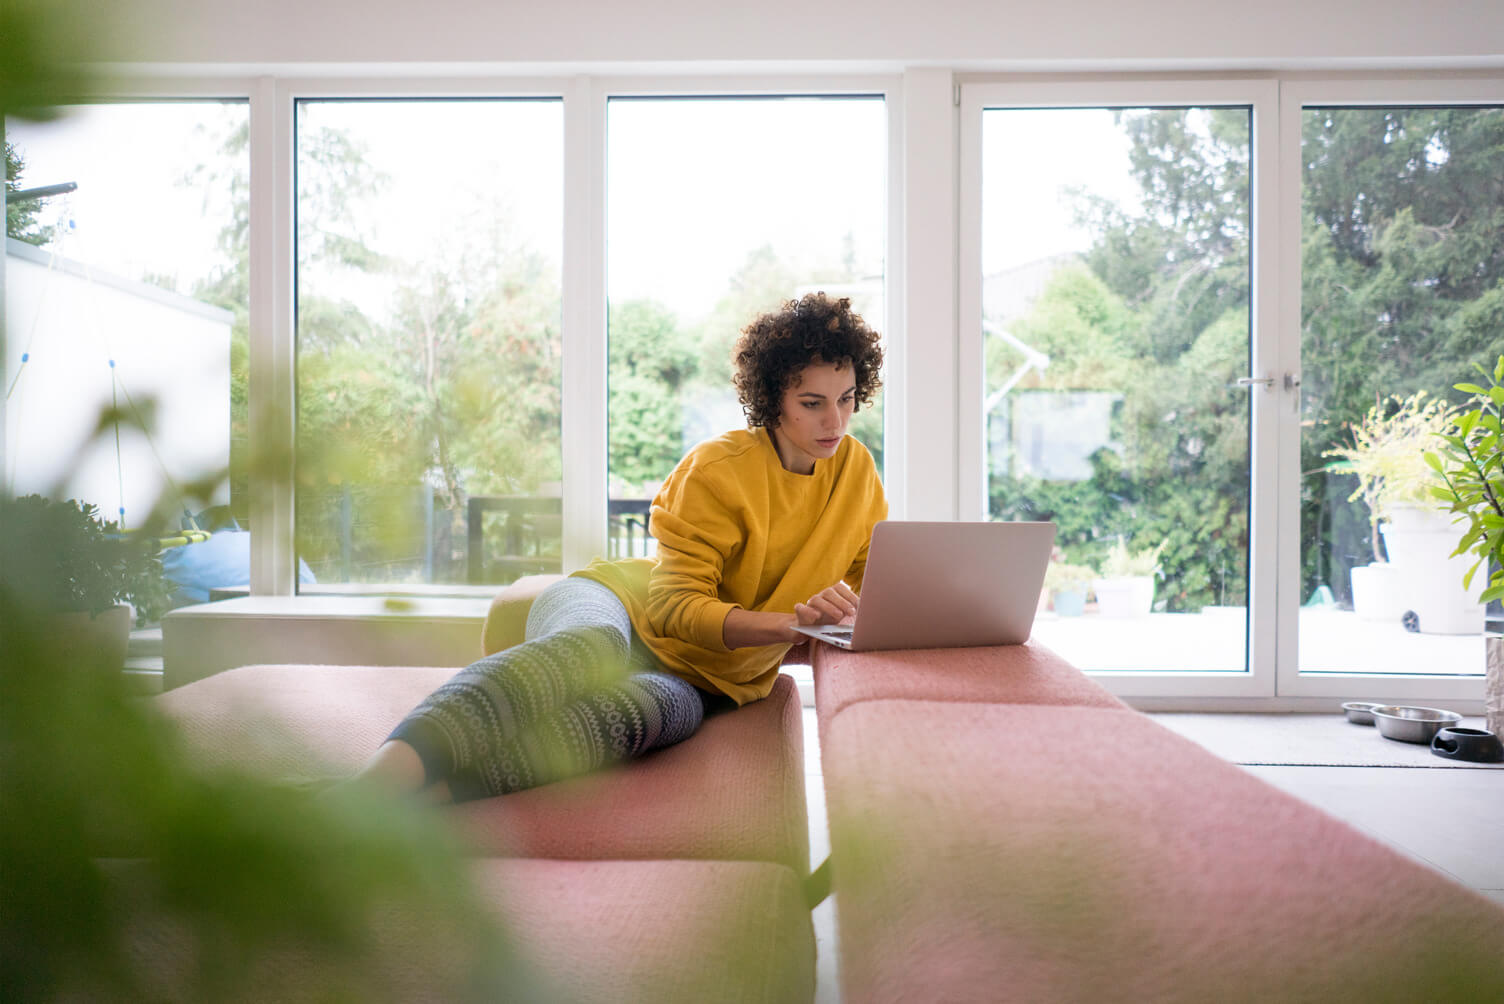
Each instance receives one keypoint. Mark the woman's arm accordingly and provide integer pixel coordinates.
(747, 628)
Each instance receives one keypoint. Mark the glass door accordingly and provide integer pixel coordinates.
(1115, 363)
(1396, 212)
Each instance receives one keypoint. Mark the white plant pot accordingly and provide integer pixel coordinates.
(1408, 517)
(1128, 597)
(1431, 579)
(1378, 592)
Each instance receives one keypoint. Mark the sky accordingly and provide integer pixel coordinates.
(1031, 159)
(693, 185)
(132, 215)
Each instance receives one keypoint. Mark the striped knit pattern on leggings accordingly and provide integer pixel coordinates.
(576, 695)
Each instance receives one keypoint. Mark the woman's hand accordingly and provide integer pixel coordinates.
(828, 606)
(744, 628)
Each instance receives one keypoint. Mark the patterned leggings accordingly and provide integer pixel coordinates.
(577, 694)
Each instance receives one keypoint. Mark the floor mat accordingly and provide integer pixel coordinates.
(1328, 740)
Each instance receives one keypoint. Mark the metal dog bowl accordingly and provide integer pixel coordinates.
(1360, 712)
(1412, 725)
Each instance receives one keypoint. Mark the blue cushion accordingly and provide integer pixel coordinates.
(221, 561)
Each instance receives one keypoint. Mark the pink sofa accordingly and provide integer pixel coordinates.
(675, 877)
(1004, 829)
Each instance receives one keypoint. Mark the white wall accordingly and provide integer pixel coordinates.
(966, 34)
(167, 349)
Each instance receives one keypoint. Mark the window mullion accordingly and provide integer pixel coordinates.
(271, 398)
(584, 324)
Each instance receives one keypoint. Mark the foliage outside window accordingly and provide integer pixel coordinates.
(1153, 318)
(728, 232)
(1402, 288)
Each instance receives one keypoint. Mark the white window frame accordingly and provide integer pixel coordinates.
(933, 289)
(1379, 90)
(896, 386)
(273, 546)
(272, 308)
(1261, 95)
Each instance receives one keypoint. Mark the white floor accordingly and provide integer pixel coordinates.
(1400, 806)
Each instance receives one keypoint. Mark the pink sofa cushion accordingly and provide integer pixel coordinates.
(990, 851)
(655, 931)
(587, 931)
(1004, 674)
(734, 790)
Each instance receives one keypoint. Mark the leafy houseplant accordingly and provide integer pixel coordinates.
(63, 558)
(1409, 581)
(1469, 480)
(1387, 455)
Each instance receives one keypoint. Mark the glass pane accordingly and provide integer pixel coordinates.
(1401, 282)
(128, 293)
(429, 250)
(719, 210)
(1115, 253)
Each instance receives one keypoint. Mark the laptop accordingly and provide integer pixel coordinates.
(946, 585)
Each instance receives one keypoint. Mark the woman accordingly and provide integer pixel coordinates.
(758, 530)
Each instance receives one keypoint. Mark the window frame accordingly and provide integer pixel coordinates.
(933, 114)
(584, 392)
(1260, 95)
(887, 88)
(1297, 93)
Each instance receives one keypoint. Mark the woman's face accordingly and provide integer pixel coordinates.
(813, 415)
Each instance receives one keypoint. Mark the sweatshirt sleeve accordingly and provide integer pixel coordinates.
(696, 534)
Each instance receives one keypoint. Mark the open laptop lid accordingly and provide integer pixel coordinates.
(951, 585)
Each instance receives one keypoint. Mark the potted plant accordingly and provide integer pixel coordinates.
(76, 573)
(1126, 586)
(1067, 586)
(1469, 480)
(1387, 456)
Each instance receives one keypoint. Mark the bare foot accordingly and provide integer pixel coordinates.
(397, 767)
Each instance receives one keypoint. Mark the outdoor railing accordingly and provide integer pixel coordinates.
(522, 543)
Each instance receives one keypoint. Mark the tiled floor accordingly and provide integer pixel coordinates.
(1447, 819)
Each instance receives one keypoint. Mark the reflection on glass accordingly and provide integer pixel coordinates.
(1400, 290)
(1115, 247)
(125, 289)
(428, 340)
(719, 210)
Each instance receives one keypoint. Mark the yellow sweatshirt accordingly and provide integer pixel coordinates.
(735, 529)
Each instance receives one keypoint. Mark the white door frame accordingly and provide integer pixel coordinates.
(1262, 96)
(1295, 94)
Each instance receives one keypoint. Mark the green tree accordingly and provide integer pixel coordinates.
(21, 217)
(333, 174)
(1403, 284)
(1159, 316)
(652, 360)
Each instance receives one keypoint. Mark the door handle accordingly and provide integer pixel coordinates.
(1291, 382)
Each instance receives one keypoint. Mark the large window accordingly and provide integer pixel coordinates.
(1402, 210)
(1115, 293)
(1181, 318)
(720, 209)
(126, 299)
(428, 341)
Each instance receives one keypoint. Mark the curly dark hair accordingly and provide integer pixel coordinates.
(775, 348)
